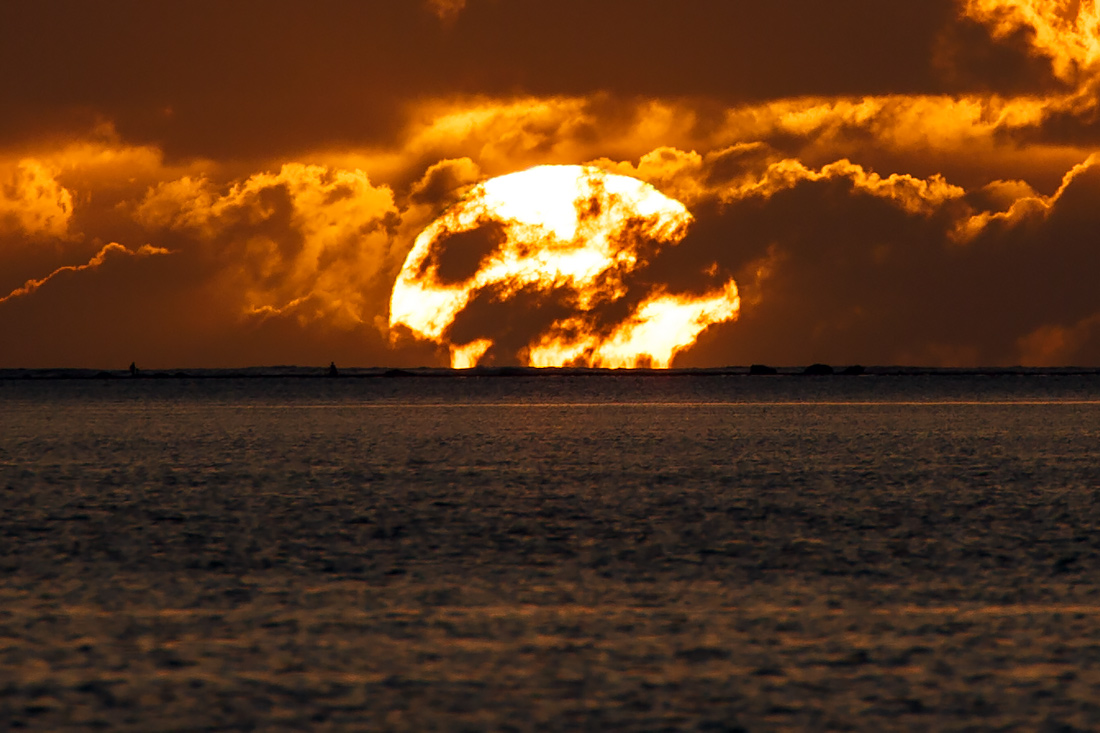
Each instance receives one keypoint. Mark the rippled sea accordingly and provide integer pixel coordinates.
(571, 552)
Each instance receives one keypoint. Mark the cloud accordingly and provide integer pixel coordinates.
(444, 182)
(32, 201)
(839, 265)
(109, 250)
(695, 178)
(446, 10)
(972, 139)
(1060, 345)
(675, 172)
(1067, 32)
(914, 195)
(309, 239)
(1020, 204)
(308, 246)
(343, 74)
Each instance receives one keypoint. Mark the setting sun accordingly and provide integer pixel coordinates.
(572, 236)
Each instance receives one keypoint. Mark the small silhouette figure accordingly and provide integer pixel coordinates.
(133, 369)
(332, 370)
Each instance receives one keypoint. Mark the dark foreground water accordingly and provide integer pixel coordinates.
(562, 553)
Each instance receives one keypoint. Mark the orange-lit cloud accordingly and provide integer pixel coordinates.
(308, 239)
(1021, 204)
(32, 200)
(1065, 31)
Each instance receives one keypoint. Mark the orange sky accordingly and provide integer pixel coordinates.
(227, 184)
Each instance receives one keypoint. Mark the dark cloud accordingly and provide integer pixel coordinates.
(517, 319)
(211, 78)
(457, 256)
(971, 60)
(832, 274)
(279, 77)
(511, 319)
(1075, 123)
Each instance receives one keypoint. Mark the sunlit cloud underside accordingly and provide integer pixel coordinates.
(567, 238)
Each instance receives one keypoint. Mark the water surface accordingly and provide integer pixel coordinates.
(638, 552)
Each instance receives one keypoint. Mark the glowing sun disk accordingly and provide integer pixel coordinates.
(570, 235)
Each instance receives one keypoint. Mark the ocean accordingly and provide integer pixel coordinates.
(551, 551)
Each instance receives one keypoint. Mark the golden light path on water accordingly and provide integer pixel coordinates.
(571, 236)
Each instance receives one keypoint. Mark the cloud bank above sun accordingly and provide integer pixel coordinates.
(909, 182)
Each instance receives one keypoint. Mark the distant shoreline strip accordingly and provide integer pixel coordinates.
(530, 372)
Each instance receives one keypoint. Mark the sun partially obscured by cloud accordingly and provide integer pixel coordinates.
(566, 248)
(923, 192)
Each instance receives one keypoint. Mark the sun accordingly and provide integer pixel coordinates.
(553, 266)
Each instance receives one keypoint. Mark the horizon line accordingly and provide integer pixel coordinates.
(331, 371)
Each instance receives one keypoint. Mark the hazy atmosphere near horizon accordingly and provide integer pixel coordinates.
(225, 184)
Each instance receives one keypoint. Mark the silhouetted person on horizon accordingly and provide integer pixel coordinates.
(133, 369)
(332, 370)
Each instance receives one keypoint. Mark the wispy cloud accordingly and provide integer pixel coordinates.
(114, 249)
